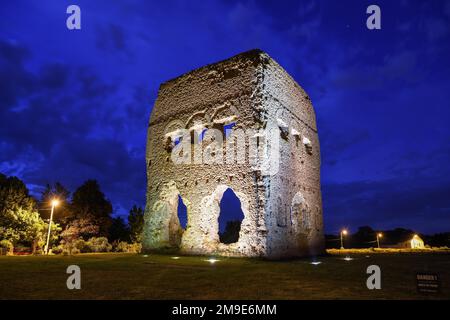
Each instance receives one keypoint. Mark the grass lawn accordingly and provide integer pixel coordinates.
(131, 276)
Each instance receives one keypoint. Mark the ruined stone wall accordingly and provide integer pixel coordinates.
(252, 91)
(294, 208)
(204, 97)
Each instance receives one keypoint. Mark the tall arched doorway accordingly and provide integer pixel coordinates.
(230, 217)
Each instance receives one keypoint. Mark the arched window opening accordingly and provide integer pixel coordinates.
(182, 213)
(201, 136)
(230, 217)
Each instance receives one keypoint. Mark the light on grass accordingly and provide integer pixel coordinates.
(175, 258)
(348, 258)
(145, 255)
(212, 260)
(315, 263)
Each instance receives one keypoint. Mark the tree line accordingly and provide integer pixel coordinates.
(82, 215)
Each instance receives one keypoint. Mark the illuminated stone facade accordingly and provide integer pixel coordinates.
(282, 203)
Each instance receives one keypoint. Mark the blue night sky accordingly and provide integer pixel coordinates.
(75, 105)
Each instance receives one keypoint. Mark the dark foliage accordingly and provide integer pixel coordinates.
(88, 201)
(136, 223)
(119, 230)
(63, 211)
(14, 194)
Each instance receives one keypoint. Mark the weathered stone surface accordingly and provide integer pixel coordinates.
(282, 205)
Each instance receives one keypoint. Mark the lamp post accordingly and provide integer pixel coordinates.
(343, 233)
(379, 235)
(55, 202)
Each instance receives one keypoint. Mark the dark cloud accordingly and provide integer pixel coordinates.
(51, 125)
(335, 144)
(399, 67)
(91, 86)
(417, 203)
(15, 81)
(121, 173)
(12, 54)
(54, 76)
(111, 38)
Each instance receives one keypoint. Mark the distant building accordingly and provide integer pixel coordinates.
(415, 243)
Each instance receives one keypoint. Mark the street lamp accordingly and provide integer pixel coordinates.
(379, 235)
(343, 233)
(55, 202)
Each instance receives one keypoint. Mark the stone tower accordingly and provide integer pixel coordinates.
(269, 156)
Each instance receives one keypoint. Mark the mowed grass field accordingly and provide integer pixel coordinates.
(132, 276)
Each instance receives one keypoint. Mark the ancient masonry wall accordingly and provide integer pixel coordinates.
(282, 211)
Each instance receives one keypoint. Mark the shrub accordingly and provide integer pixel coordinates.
(7, 246)
(57, 250)
(128, 247)
(135, 247)
(82, 246)
(75, 251)
(99, 244)
(121, 247)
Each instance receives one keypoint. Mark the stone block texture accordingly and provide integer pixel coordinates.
(282, 210)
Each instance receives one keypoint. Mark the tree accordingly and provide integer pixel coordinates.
(21, 226)
(364, 237)
(89, 202)
(14, 194)
(397, 235)
(438, 239)
(19, 221)
(59, 192)
(136, 223)
(79, 228)
(119, 231)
